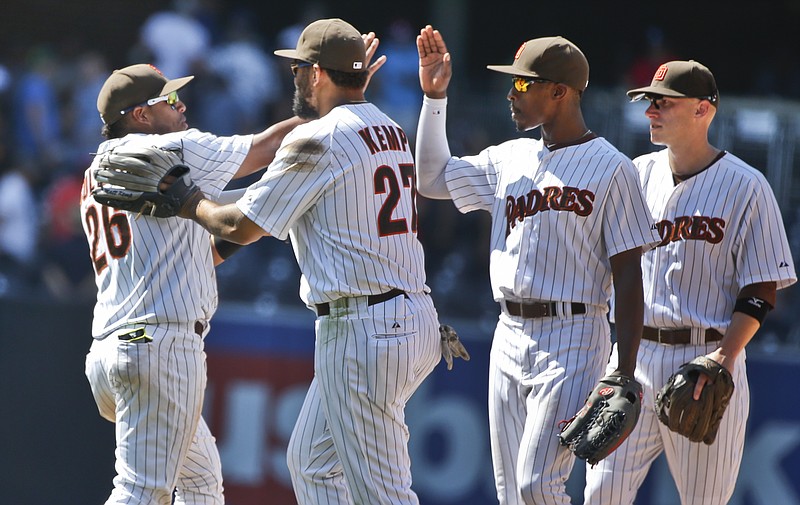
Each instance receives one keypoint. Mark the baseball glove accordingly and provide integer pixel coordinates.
(451, 345)
(606, 419)
(698, 420)
(131, 178)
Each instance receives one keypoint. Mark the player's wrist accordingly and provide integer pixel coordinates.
(192, 202)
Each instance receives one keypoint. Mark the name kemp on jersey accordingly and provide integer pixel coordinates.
(389, 138)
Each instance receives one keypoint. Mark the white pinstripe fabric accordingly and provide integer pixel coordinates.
(705, 275)
(157, 273)
(168, 273)
(342, 188)
(541, 370)
(350, 441)
(733, 236)
(320, 191)
(154, 394)
(554, 255)
(703, 474)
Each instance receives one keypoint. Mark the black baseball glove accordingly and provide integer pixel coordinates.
(145, 180)
(606, 419)
(698, 420)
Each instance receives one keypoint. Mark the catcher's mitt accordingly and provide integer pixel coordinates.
(606, 419)
(129, 178)
(698, 420)
(451, 345)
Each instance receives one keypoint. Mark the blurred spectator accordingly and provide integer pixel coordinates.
(82, 120)
(175, 38)
(36, 113)
(18, 229)
(248, 75)
(396, 87)
(5, 79)
(656, 52)
(287, 37)
(65, 260)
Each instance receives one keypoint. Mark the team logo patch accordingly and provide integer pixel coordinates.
(660, 73)
(519, 51)
(606, 392)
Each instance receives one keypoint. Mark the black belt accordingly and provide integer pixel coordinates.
(541, 309)
(677, 336)
(323, 309)
(140, 335)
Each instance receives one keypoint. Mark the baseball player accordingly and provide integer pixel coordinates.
(708, 286)
(567, 213)
(156, 293)
(342, 188)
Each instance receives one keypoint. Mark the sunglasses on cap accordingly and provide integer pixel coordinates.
(521, 83)
(171, 99)
(296, 65)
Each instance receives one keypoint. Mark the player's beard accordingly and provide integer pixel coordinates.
(301, 106)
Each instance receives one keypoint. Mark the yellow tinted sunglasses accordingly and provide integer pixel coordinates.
(171, 99)
(521, 83)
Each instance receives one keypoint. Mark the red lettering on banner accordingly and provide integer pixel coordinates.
(275, 381)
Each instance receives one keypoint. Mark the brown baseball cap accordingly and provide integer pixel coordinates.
(331, 43)
(681, 79)
(131, 86)
(552, 58)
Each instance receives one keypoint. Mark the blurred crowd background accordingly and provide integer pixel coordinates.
(55, 56)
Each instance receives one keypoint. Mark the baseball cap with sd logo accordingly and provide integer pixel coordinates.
(681, 79)
(331, 43)
(552, 58)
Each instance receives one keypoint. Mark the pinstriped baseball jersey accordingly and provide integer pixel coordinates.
(349, 239)
(720, 231)
(558, 216)
(151, 270)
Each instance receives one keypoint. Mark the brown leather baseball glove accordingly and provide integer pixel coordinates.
(698, 420)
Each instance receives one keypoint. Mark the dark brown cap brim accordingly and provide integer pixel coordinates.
(512, 70)
(655, 90)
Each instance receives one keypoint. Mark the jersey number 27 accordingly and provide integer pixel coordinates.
(385, 181)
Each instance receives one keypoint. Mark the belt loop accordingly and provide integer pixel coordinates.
(562, 311)
(698, 336)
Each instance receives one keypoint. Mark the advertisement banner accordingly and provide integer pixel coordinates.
(259, 371)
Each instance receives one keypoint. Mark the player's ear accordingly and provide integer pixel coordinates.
(316, 74)
(559, 91)
(139, 115)
(702, 109)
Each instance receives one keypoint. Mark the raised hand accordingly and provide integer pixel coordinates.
(371, 43)
(435, 67)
